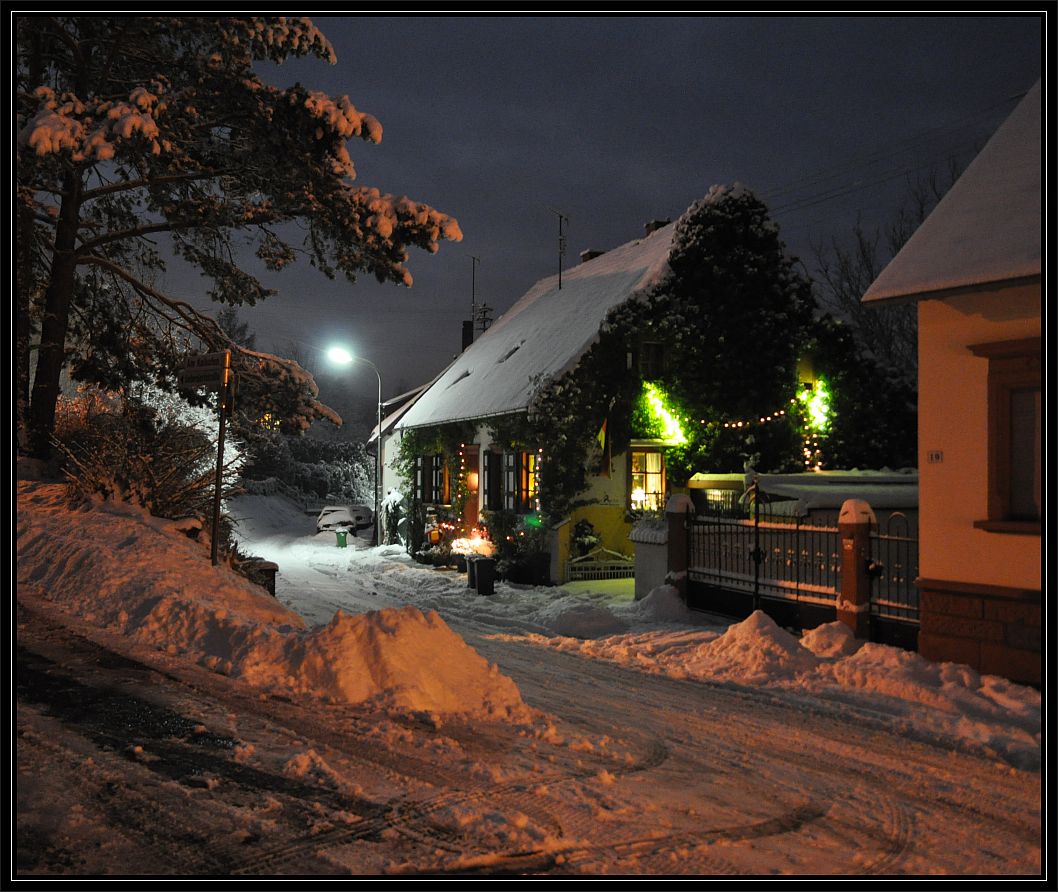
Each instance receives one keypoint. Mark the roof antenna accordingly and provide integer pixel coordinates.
(474, 261)
(562, 220)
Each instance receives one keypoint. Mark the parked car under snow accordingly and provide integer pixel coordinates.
(344, 517)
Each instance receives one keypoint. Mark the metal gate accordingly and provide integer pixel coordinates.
(894, 569)
(783, 564)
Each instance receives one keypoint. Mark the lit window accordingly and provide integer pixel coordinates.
(527, 483)
(1014, 435)
(647, 480)
(520, 481)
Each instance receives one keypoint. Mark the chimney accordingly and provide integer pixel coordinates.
(654, 226)
(590, 254)
(468, 333)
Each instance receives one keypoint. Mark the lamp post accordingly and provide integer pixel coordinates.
(342, 356)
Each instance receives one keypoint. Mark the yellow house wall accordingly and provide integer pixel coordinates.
(953, 420)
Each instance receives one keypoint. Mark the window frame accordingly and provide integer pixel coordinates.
(1013, 365)
(647, 448)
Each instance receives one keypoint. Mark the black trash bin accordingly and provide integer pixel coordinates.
(485, 575)
(472, 559)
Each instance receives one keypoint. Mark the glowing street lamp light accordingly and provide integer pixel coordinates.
(341, 356)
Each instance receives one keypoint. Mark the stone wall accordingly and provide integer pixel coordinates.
(996, 630)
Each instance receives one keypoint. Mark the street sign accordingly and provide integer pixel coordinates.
(206, 370)
(214, 361)
(212, 378)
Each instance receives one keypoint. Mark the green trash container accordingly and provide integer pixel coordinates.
(471, 575)
(341, 534)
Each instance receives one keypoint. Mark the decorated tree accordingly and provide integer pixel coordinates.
(738, 328)
(130, 127)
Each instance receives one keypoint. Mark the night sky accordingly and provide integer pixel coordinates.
(615, 122)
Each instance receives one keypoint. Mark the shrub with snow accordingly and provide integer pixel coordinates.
(150, 457)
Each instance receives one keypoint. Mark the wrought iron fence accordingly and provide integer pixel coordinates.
(894, 555)
(768, 554)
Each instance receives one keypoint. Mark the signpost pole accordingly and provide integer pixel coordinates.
(222, 405)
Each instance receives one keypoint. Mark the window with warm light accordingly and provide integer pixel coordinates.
(520, 481)
(647, 480)
(527, 483)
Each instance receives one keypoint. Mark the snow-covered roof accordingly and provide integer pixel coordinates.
(827, 489)
(987, 229)
(403, 402)
(879, 495)
(543, 335)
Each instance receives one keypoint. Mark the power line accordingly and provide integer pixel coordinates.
(874, 158)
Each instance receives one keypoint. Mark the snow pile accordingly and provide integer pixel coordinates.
(403, 659)
(900, 689)
(118, 568)
(663, 605)
(754, 651)
(573, 618)
(831, 640)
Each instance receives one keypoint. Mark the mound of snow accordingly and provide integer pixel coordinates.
(571, 618)
(831, 640)
(118, 568)
(398, 658)
(753, 651)
(664, 605)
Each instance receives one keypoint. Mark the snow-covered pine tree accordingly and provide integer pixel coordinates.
(132, 126)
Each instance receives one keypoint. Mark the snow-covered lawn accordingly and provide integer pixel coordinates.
(539, 729)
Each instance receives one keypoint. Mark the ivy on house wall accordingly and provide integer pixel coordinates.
(734, 316)
(443, 439)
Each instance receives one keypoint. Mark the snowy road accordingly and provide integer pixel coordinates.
(686, 776)
(640, 756)
(190, 773)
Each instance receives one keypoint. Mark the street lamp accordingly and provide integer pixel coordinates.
(341, 356)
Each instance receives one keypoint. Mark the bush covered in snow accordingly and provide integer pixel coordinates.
(332, 469)
(159, 457)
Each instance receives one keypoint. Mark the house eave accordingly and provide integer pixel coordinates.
(955, 291)
(461, 419)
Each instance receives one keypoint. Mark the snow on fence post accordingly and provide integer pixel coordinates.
(854, 599)
(678, 511)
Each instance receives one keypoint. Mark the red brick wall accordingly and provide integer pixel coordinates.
(997, 631)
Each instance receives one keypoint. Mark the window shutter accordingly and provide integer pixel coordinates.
(510, 481)
(438, 489)
(420, 494)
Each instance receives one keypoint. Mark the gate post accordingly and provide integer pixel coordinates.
(854, 600)
(678, 511)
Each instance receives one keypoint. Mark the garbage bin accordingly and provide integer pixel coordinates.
(485, 575)
(341, 534)
(471, 574)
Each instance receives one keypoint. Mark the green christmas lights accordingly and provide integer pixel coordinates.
(815, 402)
(670, 425)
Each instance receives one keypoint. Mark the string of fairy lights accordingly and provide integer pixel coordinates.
(814, 399)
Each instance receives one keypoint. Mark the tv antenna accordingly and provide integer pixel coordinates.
(474, 261)
(563, 219)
